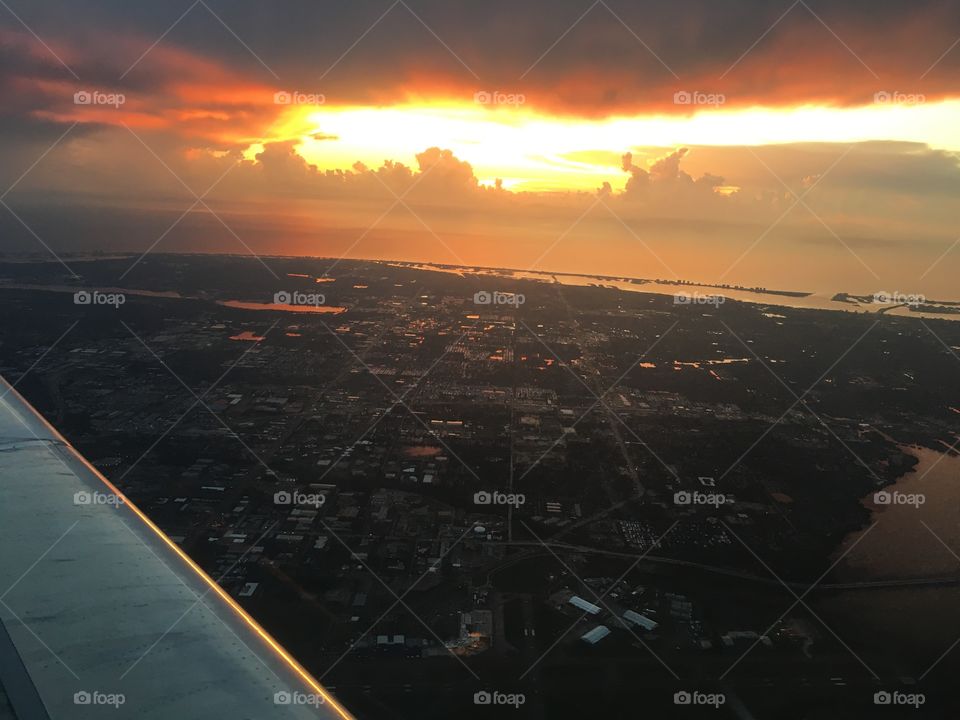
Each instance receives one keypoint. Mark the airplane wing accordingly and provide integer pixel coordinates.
(102, 615)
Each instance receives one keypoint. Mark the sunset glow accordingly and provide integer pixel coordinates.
(535, 151)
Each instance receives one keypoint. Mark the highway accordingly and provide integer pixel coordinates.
(719, 570)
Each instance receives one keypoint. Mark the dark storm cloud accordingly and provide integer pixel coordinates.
(600, 66)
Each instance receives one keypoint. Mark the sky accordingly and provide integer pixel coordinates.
(806, 145)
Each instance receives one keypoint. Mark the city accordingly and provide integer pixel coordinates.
(526, 486)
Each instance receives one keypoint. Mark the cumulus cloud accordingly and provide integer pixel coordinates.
(668, 189)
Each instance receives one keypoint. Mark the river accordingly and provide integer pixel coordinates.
(913, 626)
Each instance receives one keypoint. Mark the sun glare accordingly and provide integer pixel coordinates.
(536, 152)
